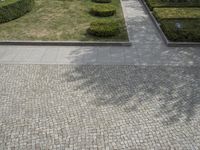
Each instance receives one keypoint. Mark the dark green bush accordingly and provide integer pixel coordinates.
(104, 28)
(102, 1)
(182, 30)
(15, 10)
(103, 10)
(166, 3)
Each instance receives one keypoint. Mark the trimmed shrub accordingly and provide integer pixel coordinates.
(15, 10)
(104, 28)
(176, 13)
(164, 3)
(102, 1)
(181, 30)
(103, 10)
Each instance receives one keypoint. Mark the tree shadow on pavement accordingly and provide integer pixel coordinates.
(172, 92)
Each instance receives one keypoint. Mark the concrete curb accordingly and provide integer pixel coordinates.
(65, 43)
(123, 11)
(168, 42)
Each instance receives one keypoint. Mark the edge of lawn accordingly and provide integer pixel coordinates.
(74, 42)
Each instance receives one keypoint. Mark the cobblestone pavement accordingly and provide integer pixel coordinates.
(99, 107)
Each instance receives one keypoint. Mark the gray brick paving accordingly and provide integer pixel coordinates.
(99, 107)
(141, 97)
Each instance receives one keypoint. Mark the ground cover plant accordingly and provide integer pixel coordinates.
(104, 28)
(179, 19)
(189, 30)
(62, 20)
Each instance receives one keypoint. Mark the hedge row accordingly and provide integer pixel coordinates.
(172, 3)
(103, 10)
(15, 10)
(176, 13)
(188, 30)
(103, 27)
(101, 1)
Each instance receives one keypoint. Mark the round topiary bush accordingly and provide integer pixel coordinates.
(103, 10)
(104, 28)
(102, 1)
(13, 9)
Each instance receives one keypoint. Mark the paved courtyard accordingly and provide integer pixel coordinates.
(99, 107)
(142, 97)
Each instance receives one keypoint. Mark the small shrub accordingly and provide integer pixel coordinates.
(102, 1)
(103, 10)
(104, 28)
(15, 10)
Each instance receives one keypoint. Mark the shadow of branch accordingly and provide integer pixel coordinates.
(173, 92)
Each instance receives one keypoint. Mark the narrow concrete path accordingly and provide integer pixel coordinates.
(147, 49)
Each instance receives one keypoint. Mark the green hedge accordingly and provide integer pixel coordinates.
(104, 28)
(102, 1)
(103, 10)
(15, 10)
(176, 13)
(165, 3)
(188, 30)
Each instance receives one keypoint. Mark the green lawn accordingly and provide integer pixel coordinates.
(59, 20)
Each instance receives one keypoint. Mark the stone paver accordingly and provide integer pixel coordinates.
(99, 107)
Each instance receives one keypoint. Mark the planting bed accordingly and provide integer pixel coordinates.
(179, 19)
(62, 20)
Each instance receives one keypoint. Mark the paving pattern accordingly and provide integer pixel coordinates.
(99, 107)
(142, 97)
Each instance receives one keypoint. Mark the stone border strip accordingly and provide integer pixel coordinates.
(126, 24)
(66, 43)
(168, 42)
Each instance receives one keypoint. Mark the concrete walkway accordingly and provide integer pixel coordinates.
(147, 49)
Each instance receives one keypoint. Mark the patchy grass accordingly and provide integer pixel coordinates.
(59, 20)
